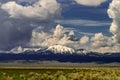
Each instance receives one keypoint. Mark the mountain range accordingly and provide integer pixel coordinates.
(62, 54)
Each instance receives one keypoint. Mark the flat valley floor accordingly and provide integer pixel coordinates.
(45, 70)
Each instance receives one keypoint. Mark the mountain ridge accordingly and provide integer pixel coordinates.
(62, 55)
(56, 49)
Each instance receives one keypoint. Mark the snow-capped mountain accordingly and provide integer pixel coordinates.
(59, 53)
(63, 49)
(60, 49)
(54, 49)
(82, 51)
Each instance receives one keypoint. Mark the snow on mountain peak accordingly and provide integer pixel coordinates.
(82, 51)
(61, 49)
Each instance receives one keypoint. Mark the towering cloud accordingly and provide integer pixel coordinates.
(90, 2)
(114, 13)
(59, 31)
(84, 40)
(58, 36)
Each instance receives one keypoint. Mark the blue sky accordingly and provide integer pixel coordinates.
(95, 15)
(77, 11)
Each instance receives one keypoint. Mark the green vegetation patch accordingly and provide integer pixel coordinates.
(61, 74)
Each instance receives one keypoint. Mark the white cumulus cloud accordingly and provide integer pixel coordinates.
(41, 10)
(57, 37)
(59, 31)
(90, 2)
(99, 40)
(114, 13)
(108, 49)
(84, 40)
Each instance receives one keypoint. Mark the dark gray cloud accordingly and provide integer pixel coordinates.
(15, 24)
(14, 32)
